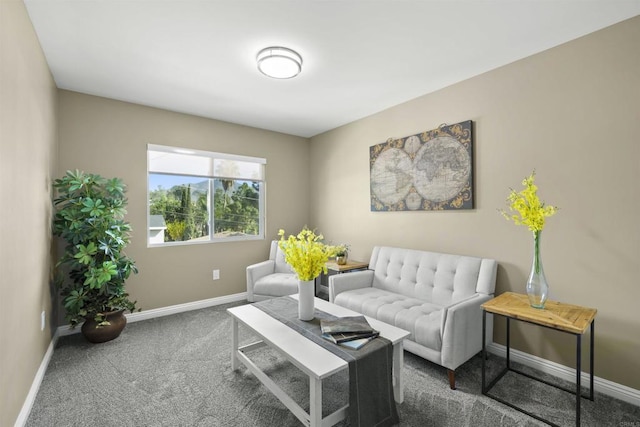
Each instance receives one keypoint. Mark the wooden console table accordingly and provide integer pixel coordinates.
(349, 266)
(571, 319)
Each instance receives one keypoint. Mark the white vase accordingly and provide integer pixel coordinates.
(306, 296)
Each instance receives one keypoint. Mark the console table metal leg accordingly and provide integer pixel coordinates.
(484, 349)
(508, 343)
(591, 363)
(578, 375)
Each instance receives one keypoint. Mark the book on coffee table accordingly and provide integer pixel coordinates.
(349, 336)
(352, 332)
(354, 341)
(351, 324)
(356, 344)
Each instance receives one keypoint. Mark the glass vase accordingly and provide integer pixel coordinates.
(537, 286)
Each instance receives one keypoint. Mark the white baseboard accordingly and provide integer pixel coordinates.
(166, 311)
(131, 317)
(35, 385)
(618, 391)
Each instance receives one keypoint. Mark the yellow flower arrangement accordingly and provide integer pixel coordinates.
(306, 253)
(526, 208)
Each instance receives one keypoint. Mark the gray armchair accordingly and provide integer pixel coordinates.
(271, 278)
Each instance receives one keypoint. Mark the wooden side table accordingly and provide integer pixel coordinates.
(349, 266)
(335, 268)
(571, 319)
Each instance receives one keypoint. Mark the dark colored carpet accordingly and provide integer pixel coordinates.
(175, 371)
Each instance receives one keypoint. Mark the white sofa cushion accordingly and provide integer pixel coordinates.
(422, 319)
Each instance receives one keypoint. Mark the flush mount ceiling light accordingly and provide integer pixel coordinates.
(279, 62)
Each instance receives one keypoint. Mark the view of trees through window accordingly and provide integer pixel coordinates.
(183, 205)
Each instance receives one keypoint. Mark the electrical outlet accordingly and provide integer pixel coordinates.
(43, 320)
(216, 274)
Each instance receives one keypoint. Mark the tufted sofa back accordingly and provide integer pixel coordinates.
(438, 278)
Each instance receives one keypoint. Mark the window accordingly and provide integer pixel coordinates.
(200, 197)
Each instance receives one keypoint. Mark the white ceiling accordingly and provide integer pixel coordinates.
(360, 57)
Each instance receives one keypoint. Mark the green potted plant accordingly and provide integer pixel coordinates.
(92, 271)
(342, 252)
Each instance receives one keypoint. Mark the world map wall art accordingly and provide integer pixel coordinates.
(429, 171)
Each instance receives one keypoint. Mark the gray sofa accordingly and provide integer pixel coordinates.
(434, 296)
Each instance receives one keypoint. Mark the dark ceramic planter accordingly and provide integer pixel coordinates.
(97, 334)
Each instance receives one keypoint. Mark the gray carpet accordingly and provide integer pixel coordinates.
(175, 371)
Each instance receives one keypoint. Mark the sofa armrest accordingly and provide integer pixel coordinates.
(462, 330)
(487, 277)
(349, 281)
(255, 272)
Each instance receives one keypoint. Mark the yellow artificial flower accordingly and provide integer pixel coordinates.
(306, 253)
(526, 208)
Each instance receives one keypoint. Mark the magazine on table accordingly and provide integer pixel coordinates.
(347, 336)
(351, 324)
(354, 343)
(353, 331)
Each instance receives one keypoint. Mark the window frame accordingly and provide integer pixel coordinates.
(211, 177)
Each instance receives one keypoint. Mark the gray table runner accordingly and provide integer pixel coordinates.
(371, 401)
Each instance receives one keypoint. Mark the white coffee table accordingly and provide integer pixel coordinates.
(307, 356)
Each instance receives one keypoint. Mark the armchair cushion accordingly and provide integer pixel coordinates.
(276, 285)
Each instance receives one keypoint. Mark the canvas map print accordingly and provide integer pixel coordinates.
(431, 170)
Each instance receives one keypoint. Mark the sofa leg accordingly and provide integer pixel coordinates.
(452, 378)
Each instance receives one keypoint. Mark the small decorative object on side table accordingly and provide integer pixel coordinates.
(342, 253)
(571, 319)
(531, 212)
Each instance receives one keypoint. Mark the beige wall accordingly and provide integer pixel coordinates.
(27, 157)
(109, 137)
(571, 113)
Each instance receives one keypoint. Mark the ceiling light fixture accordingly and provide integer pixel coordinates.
(279, 62)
